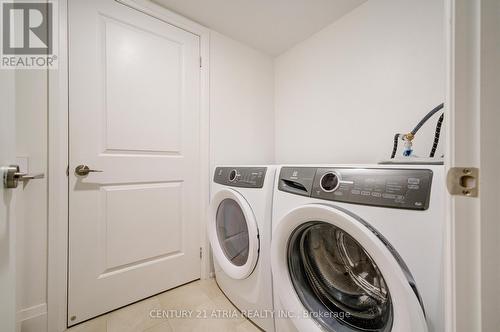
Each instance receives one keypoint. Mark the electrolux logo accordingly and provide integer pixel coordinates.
(29, 34)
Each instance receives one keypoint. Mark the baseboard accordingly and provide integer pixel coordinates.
(32, 319)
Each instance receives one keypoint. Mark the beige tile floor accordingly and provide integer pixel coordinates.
(197, 306)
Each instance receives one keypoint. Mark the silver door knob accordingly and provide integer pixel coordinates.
(12, 176)
(84, 170)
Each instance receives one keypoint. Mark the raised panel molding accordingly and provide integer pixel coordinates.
(139, 117)
(152, 213)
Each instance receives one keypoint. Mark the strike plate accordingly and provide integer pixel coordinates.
(463, 181)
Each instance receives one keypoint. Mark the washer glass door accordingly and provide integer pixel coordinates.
(232, 231)
(337, 281)
(233, 234)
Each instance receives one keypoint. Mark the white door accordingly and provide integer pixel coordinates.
(7, 220)
(134, 116)
(474, 115)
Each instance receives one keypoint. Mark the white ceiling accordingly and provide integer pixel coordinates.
(272, 26)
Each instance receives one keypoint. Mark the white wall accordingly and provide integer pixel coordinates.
(241, 103)
(342, 94)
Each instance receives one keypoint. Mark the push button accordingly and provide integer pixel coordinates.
(413, 181)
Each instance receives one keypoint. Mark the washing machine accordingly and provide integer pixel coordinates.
(239, 229)
(358, 248)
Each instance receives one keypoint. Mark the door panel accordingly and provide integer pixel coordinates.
(134, 115)
(157, 85)
(159, 206)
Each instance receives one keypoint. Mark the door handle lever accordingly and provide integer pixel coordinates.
(27, 177)
(12, 176)
(83, 170)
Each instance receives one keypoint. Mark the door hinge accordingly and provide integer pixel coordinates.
(201, 252)
(201, 62)
(67, 170)
(463, 181)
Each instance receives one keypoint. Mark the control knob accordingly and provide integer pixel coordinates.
(233, 175)
(329, 182)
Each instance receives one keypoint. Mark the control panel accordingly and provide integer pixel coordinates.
(384, 187)
(243, 177)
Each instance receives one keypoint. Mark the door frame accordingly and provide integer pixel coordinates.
(471, 103)
(8, 280)
(461, 36)
(58, 186)
(449, 110)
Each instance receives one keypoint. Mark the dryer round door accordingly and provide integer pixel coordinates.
(334, 272)
(233, 234)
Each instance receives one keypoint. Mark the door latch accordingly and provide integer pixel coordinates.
(463, 181)
(12, 176)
